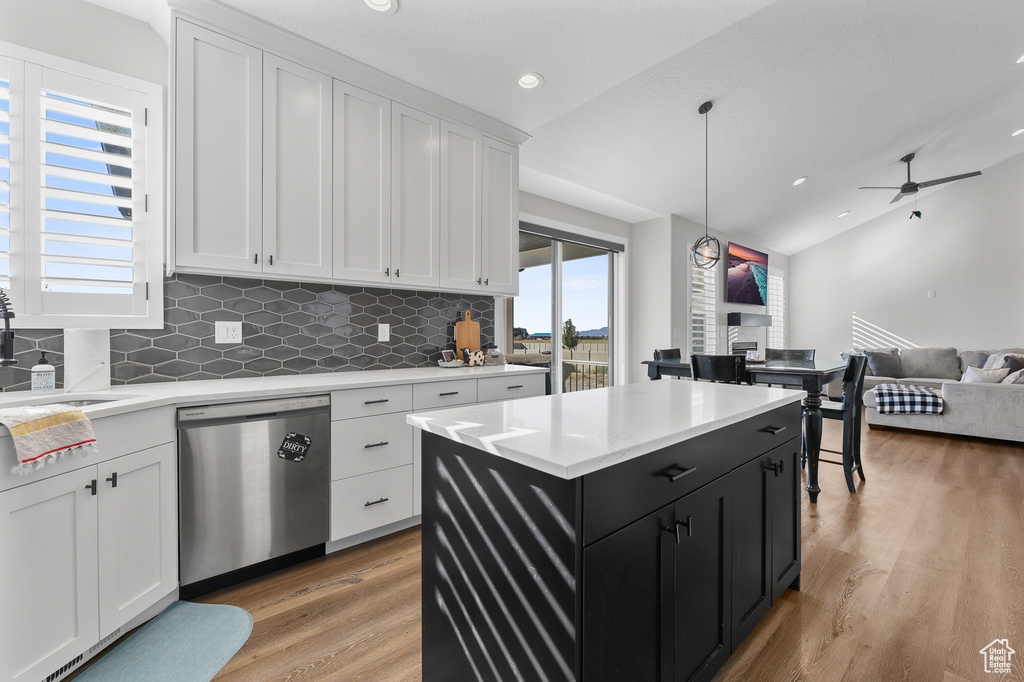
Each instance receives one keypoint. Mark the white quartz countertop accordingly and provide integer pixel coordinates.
(143, 396)
(574, 434)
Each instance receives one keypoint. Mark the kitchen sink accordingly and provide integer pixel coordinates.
(72, 399)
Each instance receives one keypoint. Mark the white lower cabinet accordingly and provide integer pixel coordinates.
(73, 536)
(362, 503)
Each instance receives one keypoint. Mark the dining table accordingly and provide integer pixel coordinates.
(810, 375)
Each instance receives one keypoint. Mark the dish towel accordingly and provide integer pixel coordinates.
(44, 434)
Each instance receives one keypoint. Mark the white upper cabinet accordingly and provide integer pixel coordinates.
(283, 171)
(297, 205)
(460, 207)
(415, 214)
(500, 229)
(362, 185)
(218, 164)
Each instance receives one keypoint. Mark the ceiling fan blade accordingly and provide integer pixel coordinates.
(900, 196)
(929, 183)
(878, 188)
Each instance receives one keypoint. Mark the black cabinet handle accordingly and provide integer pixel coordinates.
(776, 467)
(687, 524)
(370, 504)
(774, 430)
(375, 402)
(516, 386)
(673, 477)
(387, 272)
(374, 445)
(91, 486)
(255, 258)
(113, 480)
(271, 260)
(448, 393)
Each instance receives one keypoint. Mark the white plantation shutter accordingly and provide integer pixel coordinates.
(777, 307)
(5, 173)
(703, 309)
(87, 219)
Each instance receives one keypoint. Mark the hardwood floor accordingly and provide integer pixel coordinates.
(906, 580)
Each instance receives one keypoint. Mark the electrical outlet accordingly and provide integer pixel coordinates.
(931, 293)
(383, 332)
(676, 333)
(227, 332)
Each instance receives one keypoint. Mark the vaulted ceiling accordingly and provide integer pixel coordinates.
(836, 91)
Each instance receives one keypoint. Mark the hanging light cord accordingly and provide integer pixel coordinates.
(706, 181)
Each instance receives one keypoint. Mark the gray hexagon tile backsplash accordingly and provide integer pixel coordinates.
(287, 328)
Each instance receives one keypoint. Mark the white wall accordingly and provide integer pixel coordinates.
(660, 289)
(967, 248)
(86, 33)
(555, 213)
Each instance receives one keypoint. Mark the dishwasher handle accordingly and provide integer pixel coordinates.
(253, 410)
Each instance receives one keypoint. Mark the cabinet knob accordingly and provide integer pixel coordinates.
(113, 480)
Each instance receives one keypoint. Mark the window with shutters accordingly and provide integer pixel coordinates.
(703, 309)
(84, 185)
(777, 307)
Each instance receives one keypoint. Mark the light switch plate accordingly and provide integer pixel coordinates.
(383, 332)
(227, 332)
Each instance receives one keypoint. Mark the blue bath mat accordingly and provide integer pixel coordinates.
(186, 642)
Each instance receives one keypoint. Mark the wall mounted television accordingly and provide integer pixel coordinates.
(747, 276)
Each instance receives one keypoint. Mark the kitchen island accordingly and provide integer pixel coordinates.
(637, 532)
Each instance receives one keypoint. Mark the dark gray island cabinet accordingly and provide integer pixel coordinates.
(644, 567)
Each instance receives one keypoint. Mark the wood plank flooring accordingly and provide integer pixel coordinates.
(906, 580)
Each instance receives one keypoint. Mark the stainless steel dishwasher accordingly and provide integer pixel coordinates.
(253, 486)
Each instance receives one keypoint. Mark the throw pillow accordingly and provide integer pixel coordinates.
(864, 351)
(1014, 363)
(972, 358)
(938, 363)
(1014, 377)
(884, 363)
(984, 376)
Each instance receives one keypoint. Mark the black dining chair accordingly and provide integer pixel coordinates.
(722, 369)
(849, 411)
(668, 354)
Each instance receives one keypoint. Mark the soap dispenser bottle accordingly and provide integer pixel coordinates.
(43, 375)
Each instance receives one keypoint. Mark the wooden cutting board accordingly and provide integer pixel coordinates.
(467, 334)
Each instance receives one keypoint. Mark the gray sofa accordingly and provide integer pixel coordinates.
(970, 409)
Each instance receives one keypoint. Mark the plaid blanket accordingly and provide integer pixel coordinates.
(905, 399)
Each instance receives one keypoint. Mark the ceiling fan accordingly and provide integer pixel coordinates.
(911, 187)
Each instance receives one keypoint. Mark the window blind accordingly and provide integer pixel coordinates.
(777, 307)
(703, 309)
(80, 235)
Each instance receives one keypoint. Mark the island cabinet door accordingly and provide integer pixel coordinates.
(627, 595)
(784, 496)
(751, 552)
(702, 603)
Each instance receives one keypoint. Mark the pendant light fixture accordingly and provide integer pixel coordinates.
(708, 250)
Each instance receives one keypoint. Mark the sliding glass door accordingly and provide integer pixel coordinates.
(563, 315)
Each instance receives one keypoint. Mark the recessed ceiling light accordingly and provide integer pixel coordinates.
(1015, 133)
(1020, 60)
(800, 181)
(530, 80)
(844, 214)
(383, 6)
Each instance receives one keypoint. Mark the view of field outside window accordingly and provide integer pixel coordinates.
(583, 331)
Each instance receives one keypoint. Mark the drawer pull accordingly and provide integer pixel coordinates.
(687, 524)
(777, 467)
(370, 504)
(375, 445)
(448, 393)
(375, 402)
(774, 430)
(673, 477)
(514, 387)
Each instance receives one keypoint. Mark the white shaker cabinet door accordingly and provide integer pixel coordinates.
(138, 533)
(460, 207)
(48, 606)
(362, 185)
(415, 219)
(297, 188)
(218, 152)
(500, 198)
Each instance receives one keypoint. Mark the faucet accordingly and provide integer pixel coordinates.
(7, 334)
